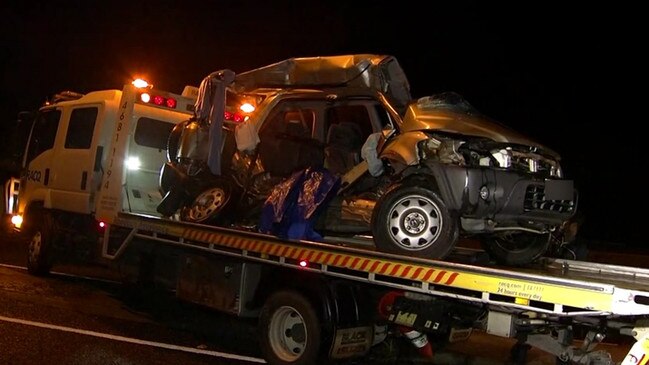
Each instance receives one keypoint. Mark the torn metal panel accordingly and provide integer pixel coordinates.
(377, 72)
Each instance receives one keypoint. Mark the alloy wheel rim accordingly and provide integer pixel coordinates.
(207, 203)
(415, 222)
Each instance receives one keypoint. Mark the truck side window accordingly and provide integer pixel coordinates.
(152, 133)
(43, 133)
(80, 128)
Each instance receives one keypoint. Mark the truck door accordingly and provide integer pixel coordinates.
(73, 166)
(37, 163)
(145, 156)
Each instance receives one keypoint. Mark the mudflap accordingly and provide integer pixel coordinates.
(351, 342)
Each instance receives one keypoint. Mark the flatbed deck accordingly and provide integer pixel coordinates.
(553, 286)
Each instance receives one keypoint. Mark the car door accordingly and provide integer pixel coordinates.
(347, 125)
(288, 140)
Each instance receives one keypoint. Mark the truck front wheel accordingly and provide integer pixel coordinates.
(290, 330)
(39, 254)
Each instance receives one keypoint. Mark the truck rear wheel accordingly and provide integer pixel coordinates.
(39, 254)
(290, 330)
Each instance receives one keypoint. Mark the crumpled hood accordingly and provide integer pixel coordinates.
(457, 116)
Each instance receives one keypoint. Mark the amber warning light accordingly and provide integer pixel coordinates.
(139, 83)
(17, 221)
(241, 115)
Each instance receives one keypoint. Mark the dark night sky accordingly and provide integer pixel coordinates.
(556, 72)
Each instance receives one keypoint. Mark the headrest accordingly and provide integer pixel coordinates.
(293, 117)
(346, 134)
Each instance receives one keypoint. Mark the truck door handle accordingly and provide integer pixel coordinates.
(84, 180)
(98, 153)
(46, 178)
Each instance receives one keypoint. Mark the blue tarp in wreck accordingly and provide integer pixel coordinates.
(293, 207)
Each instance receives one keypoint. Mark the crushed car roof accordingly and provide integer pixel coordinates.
(381, 73)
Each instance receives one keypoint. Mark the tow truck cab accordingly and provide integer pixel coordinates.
(67, 151)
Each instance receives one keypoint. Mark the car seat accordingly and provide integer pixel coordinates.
(343, 147)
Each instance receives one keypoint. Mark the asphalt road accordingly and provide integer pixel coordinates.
(67, 319)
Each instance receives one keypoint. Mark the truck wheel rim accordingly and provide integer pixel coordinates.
(207, 203)
(287, 334)
(35, 247)
(414, 222)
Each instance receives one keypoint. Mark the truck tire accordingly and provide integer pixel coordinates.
(39, 249)
(413, 221)
(290, 330)
(517, 248)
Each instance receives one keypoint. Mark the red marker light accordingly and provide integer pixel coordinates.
(238, 117)
(171, 103)
(228, 115)
(304, 263)
(158, 100)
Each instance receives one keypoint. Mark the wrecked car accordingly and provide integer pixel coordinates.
(415, 174)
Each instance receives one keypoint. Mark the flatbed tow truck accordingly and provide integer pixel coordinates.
(539, 305)
(334, 300)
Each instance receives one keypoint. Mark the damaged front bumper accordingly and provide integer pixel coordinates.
(488, 198)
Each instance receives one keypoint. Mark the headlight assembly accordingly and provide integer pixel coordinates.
(445, 150)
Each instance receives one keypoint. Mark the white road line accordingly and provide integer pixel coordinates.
(13, 266)
(132, 340)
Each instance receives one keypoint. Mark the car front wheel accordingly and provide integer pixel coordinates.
(414, 221)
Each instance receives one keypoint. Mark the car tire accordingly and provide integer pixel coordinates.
(173, 141)
(414, 221)
(515, 248)
(209, 205)
(289, 330)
